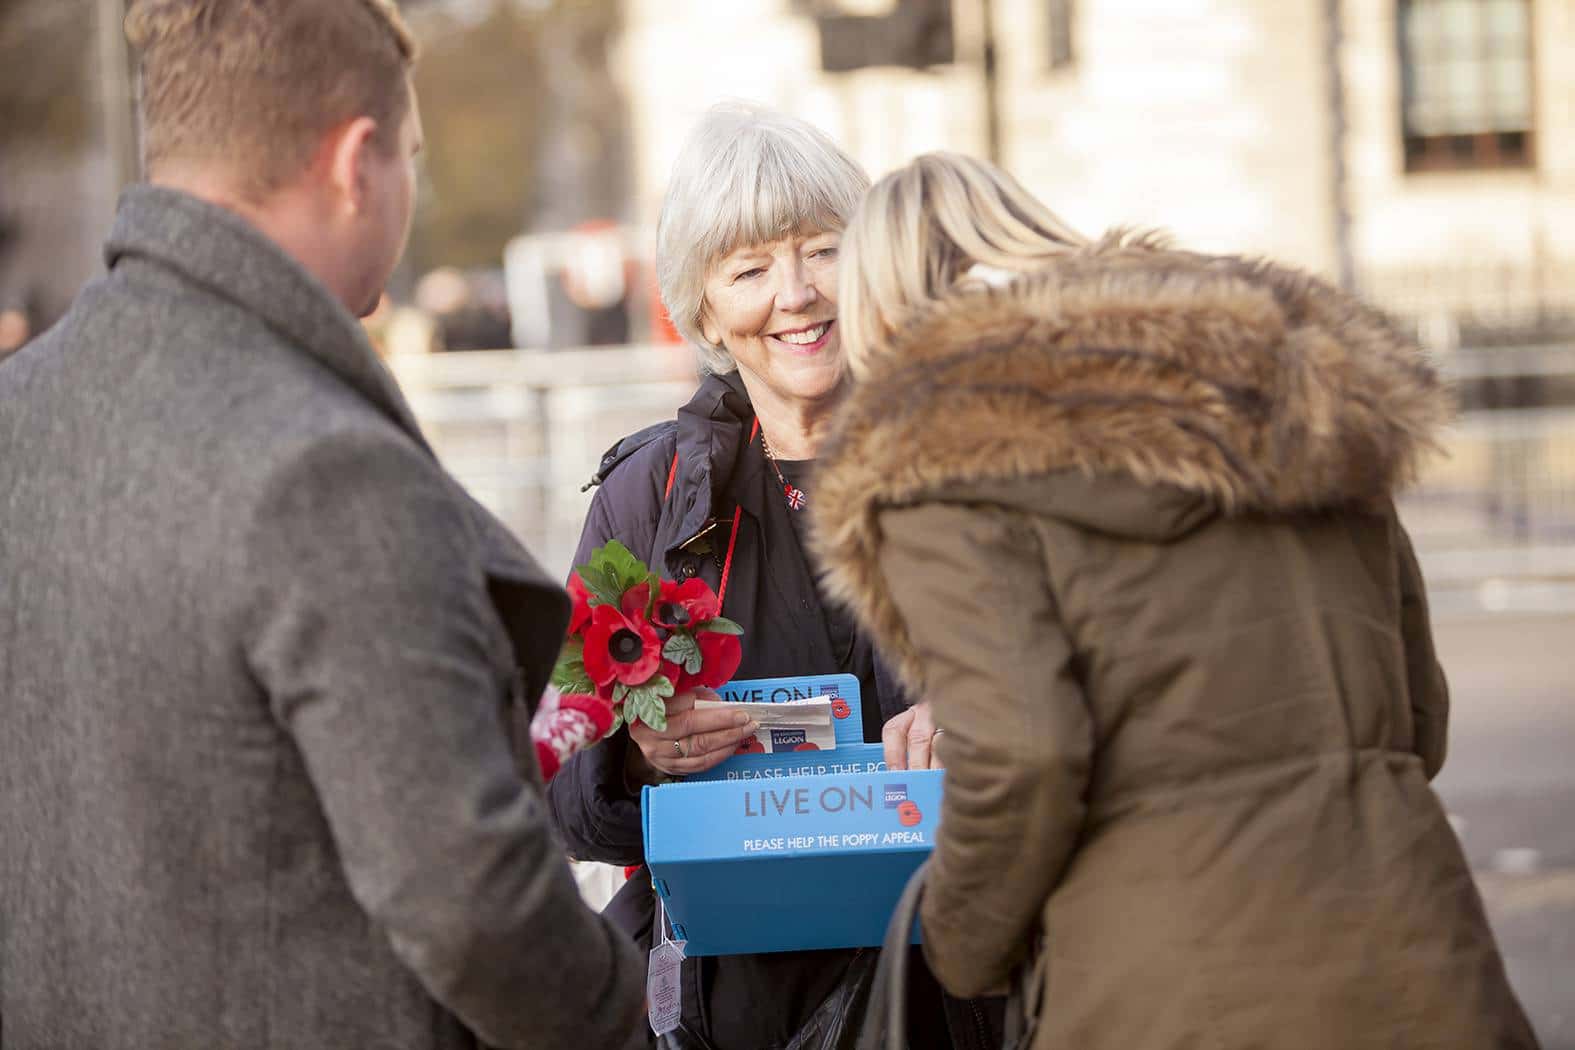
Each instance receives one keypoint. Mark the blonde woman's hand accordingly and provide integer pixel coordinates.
(693, 742)
(909, 739)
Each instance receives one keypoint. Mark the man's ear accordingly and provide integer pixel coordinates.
(348, 150)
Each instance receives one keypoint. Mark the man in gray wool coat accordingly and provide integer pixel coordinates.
(259, 654)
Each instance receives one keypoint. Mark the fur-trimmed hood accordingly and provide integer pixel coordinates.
(1220, 384)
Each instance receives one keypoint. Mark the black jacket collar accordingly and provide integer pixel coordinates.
(714, 433)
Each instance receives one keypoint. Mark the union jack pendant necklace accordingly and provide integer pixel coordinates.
(792, 493)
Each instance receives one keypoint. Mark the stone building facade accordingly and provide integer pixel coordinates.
(1423, 150)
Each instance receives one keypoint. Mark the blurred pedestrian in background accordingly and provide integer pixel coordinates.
(463, 317)
(1123, 514)
(260, 652)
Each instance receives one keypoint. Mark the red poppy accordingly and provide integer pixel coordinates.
(581, 616)
(635, 601)
(680, 606)
(721, 654)
(719, 661)
(840, 708)
(620, 648)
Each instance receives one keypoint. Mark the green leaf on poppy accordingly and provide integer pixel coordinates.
(720, 625)
(601, 585)
(568, 674)
(620, 693)
(611, 571)
(617, 722)
(646, 702)
(570, 677)
(683, 650)
(620, 566)
(655, 583)
(649, 710)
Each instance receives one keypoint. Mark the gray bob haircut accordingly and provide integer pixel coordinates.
(746, 175)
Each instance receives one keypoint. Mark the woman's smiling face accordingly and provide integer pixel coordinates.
(774, 307)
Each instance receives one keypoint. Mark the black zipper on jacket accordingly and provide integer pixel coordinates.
(981, 1027)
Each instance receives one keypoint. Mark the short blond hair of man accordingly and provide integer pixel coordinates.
(250, 86)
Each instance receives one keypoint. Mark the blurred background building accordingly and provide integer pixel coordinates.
(1421, 152)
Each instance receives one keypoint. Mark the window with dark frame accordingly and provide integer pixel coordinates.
(1466, 84)
(1061, 53)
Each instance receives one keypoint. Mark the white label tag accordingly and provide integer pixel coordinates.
(798, 725)
(664, 986)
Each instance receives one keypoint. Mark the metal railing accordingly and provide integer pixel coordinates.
(1493, 519)
(1482, 303)
(523, 430)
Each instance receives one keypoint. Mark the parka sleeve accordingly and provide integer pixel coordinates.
(1428, 691)
(370, 632)
(971, 587)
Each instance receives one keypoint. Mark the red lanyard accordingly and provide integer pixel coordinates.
(732, 539)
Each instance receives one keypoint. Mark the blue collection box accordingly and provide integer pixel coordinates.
(790, 851)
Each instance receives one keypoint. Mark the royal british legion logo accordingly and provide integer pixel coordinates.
(782, 739)
(908, 812)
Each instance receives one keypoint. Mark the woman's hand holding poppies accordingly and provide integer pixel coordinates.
(694, 741)
(636, 641)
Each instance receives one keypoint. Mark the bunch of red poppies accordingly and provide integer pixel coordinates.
(635, 640)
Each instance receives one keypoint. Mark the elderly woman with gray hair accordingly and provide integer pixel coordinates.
(747, 262)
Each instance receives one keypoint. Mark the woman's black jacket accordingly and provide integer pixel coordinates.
(682, 530)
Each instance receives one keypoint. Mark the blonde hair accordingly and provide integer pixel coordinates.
(253, 86)
(746, 175)
(922, 229)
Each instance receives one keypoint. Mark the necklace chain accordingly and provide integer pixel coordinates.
(795, 497)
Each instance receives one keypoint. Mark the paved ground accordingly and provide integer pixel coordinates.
(1510, 783)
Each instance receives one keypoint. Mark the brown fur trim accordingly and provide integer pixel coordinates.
(1259, 387)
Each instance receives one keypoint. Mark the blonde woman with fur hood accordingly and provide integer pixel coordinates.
(1124, 515)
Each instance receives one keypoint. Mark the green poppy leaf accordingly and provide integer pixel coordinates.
(720, 625)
